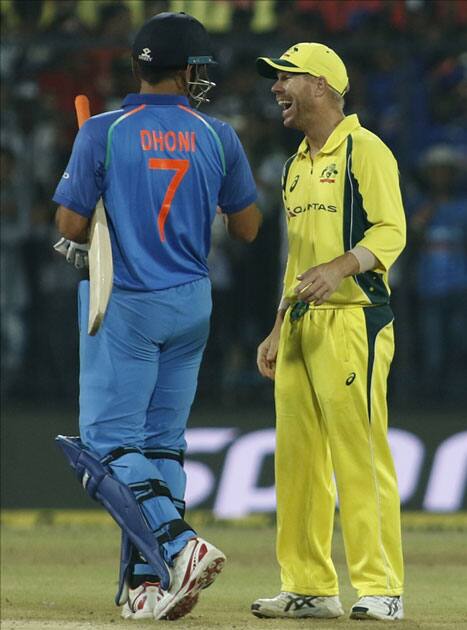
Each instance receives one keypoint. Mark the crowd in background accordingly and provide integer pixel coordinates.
(407, 63)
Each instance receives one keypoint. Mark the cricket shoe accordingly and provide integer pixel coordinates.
(141, 601)
(380, 607)
(195, 568)
(297, 606)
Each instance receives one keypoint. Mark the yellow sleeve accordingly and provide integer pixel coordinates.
(289, 282)
(375, 170)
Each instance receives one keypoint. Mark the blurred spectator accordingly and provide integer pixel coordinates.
(66, 23)
(237, 95)
(448, 99)
(110, 60)
(346, 16)
(13, 286)
(298, 23)
(67, 75)
(153, 7)
(241, 16)
(216, 370)
(26, 15)
(449, 85)
(439, 225)
(429, 22)
(385, 79)
(114, 23)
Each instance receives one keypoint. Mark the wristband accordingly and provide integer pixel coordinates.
(366, 259)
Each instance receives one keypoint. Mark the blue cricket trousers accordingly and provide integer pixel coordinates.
(138, 378)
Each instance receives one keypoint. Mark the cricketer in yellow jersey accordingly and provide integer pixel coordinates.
(331, 348)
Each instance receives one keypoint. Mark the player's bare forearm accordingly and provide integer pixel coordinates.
(244, 225)
(267, 349)
(317, 284)
(72, 225)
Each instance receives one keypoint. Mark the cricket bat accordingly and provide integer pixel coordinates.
(100, 249)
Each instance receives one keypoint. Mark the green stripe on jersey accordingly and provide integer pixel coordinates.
(214, 133)
(355, 225)
(376, 318)
(111, 130)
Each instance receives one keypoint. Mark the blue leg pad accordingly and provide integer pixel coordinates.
(119, 501)
(127, 550)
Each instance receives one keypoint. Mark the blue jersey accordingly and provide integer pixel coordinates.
(162, 169)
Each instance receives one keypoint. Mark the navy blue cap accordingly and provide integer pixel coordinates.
(172, 40)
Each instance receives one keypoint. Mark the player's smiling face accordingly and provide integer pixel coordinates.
(294, 94)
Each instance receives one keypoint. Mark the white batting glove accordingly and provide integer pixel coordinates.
(75, 253)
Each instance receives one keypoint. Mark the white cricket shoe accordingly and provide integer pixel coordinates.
(294, 605)
(195, 568)
(381, 607)
(141, 601)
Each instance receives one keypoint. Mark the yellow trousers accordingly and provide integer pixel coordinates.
(330, 392)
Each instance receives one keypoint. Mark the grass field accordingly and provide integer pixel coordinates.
(58, 574)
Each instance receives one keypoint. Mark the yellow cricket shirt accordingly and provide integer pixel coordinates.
(347, 195)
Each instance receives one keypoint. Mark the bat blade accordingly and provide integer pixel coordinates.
(100, 248)
(100, 269)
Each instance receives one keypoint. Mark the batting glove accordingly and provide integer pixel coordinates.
(75, 253)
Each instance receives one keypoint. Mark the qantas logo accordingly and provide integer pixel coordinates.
(328, 175)
(293, 212)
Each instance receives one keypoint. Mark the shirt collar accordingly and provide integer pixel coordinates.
(337, 137)
(155, 99)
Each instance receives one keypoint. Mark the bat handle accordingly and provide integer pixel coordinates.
(82, 108)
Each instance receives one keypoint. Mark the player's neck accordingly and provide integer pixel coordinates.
(168, 86)
(320, 127)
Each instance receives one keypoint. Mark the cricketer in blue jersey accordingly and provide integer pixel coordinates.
(162, 169)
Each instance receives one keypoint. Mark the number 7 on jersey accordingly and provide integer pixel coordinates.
(180, 167)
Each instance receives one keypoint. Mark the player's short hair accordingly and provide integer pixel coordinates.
(339, 98)
(152, 75)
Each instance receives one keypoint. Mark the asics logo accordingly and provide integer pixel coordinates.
(393, 605)
(350, 379)
(294, 183)
(299, 602)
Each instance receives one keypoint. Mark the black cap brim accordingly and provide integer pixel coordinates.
(268, 67)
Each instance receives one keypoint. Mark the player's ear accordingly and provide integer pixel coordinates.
(182, 79)
(321, 86)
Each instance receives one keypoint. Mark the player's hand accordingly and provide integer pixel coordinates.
(317, 284)
(267, 354)
(75, 253)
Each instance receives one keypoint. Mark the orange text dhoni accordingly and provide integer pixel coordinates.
(152, 140)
